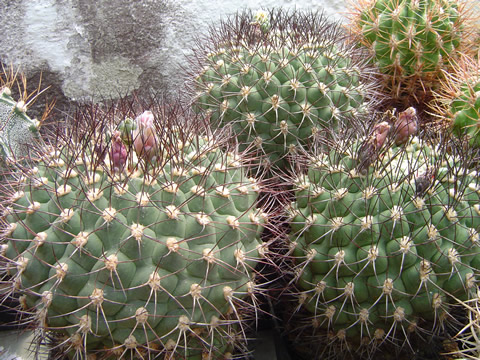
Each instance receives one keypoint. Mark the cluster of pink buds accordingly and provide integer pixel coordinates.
(138, 134)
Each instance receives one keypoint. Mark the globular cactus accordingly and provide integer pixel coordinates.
(457, 102)
(278, 79)
(146, 248)
(412, 41)
(17, 129)
(385, 241)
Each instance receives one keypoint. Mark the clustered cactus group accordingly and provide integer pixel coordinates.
(157, 230)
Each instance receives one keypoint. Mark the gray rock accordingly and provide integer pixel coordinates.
(93, 50)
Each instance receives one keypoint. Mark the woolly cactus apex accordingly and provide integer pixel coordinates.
(457, 102)
(277, 88)
(383, 249)
(156, 259)
(261, 19)
(412, 41)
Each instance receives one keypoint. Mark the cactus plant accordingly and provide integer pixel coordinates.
(457, 103)
(412, 41)
(145, 248)
(385, 240)
(278, 79)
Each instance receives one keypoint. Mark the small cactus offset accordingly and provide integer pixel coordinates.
(457, 102)
(145, 248)
(16, 128)
(412, 41)
(385, 240)
(278, 79)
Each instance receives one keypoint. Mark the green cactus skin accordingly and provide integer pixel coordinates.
(278, 79)
(385, 242)
(156, 257)
(412, 41)
(16, 128)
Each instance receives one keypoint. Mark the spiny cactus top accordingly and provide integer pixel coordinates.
(457, 102)
(385, 240)
(412, 40)
(16, 128)
(135, 248)
(279, 78)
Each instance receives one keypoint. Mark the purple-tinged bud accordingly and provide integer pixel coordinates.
(118, 153)
(381, 131)
(144, 139)
(406, 125)
(369, 150)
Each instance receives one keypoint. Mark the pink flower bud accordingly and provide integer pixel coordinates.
(406, 125)
(145, 120)
(118, 153)
(145, 141)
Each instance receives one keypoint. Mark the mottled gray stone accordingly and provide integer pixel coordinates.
(90, 49)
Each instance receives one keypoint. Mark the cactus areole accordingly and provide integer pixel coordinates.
(147, 248)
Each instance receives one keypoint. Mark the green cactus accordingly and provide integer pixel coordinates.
(278, 79)
(412, 41)
(17, 129)
(385, 240)
(457, 103)
(135, 249)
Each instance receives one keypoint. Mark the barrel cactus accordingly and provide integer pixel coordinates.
(278, 79)
(143, 248)
(385, 241)
(412, 41)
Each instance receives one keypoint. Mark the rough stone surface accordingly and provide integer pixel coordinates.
(92, 50)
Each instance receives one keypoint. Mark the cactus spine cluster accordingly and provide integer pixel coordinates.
(412, 41)
(279, 79)
(385, 239)
(137, 248)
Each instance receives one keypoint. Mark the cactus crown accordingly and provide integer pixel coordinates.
(278, 79)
